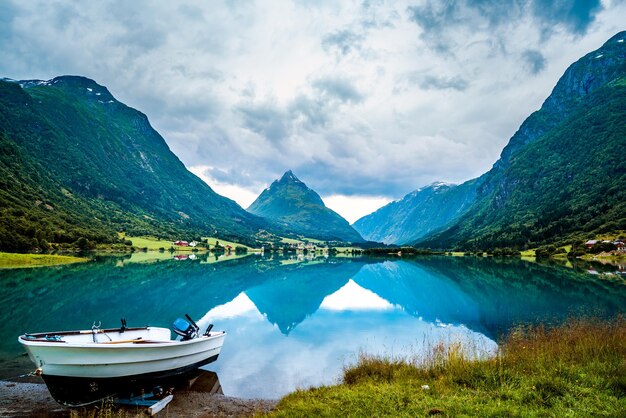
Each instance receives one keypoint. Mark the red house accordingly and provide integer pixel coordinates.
(181, 243)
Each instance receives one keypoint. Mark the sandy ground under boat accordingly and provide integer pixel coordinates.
(32, 399)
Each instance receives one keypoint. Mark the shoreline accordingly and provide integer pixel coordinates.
(27, 260)
(21, 399)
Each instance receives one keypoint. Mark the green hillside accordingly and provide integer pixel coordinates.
(76, 163)
(292, 206)
(563, 175)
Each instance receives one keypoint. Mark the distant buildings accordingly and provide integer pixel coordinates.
(620, 243)
(182, 243)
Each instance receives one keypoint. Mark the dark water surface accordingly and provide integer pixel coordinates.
(293, 324)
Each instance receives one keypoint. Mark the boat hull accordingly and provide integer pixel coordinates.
(80, 391)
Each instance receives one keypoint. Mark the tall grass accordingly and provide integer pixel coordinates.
(576, 369)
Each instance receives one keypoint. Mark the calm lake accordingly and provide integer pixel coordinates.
(293, 323)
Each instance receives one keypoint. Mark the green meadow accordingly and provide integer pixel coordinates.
(14, 260)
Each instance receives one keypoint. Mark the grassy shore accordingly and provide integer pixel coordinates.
(576, 370)
(13, 260)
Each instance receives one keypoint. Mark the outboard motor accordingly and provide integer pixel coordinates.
(186, 328)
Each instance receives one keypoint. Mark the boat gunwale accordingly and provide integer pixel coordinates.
(84, 331)
(139, 344)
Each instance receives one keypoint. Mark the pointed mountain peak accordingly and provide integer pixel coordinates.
(289, 177)
(300, 210)
(290, 187)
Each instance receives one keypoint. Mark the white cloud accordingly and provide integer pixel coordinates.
(354, 207)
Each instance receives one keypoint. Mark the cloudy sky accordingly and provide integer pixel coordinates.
(364, 100)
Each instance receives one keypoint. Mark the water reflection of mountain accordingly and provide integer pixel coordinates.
(510, 291)
(290, 294)
(490, 295)
(420, 292)
(487, 295)
(73, 296)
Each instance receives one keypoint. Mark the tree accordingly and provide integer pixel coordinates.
(83, 244)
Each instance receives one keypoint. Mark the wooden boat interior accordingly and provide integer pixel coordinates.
(141, 335)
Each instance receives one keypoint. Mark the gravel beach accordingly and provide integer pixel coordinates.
(20, 399)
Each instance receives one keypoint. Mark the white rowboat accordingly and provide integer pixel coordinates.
(81, 367)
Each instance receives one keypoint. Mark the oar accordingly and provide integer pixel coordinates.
(136, 340)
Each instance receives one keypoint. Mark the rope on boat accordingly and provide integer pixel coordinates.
(95, 329)
(36, 372)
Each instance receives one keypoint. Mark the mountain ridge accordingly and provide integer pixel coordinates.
(408, 219)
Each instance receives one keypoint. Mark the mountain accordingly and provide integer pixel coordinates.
(562, 176)
(291, 205)
(75, 162)
(418, 213)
